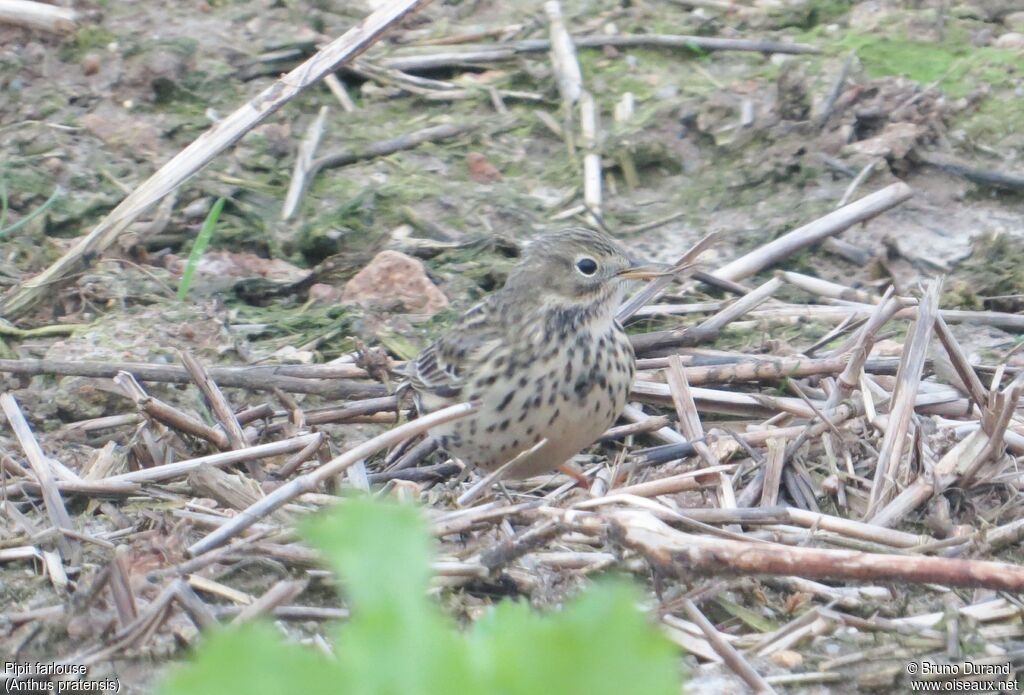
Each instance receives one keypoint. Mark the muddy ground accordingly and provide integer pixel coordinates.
(740, 142)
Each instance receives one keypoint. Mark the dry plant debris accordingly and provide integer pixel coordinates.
(817, 477)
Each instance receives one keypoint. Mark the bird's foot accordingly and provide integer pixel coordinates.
(576, 474)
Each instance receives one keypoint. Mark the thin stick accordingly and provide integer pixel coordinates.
(653, 224)
(304, 163)
(835, 91)
(656, 286)
(693, 480)
(168, 414)
(282, 592)
(711, 327)
(182, 468)
(732, 658)
(592, 197)
(473, 55)
(860, 178)
(55, 509)
(689, 423)
(537, 536)
(682, 554)
(773, 472)
(38, 15)
(770, 368)
(310, 481)
(982, 177)
(650, 424)
(961, 463)
(824, 288)
(223, 411)
(324, 380)
(849, 379)
(944, 474)
(623, 115)
(563, 57)
(494, 476)
(832, 223)
(340, 158)
(297, 459)
(975, 389)
(207, 146)
(907, 379)
(340, 93)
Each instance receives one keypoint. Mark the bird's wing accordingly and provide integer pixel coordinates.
(442, 369)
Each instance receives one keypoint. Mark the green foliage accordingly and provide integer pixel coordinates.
(599, 644)
(958, 67)
(399, 642)
(202, 241)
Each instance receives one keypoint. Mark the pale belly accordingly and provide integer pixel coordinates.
(569, 398)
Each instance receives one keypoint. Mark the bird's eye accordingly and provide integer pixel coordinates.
(587, 266)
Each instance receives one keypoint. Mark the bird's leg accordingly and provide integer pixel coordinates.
(576, 474)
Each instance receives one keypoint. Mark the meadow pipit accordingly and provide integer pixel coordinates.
(543, 355)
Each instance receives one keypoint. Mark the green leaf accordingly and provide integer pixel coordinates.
(397, 641)
(381, 551)
(198, 248)
(256, 661)
(600, 644)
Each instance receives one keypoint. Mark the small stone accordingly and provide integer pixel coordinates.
(787, 659)
(91, 63)
(1010, 39)
(197, 209)
(480, 169)
(393, 278)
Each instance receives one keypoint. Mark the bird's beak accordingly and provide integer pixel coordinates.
(645, 271)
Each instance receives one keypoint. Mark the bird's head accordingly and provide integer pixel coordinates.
(576, 267)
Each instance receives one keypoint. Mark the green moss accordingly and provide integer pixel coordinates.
(91, 37)
(954, 64)
(284, 326)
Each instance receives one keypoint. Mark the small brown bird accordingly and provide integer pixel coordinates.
(543, 355)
